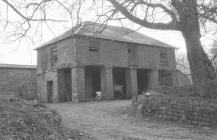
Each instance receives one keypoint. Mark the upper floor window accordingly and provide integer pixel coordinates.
(54, 57)
(93, 45)
(164, 60)
(93, 49)
(129, 51)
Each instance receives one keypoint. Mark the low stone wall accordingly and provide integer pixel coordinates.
(192, 110)
(18, 80)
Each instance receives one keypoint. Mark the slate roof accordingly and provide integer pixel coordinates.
(17, 66)
(109, 32)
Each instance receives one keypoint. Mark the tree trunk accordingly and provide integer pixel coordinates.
(203, 73)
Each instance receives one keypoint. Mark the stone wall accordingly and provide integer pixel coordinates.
(187, 109)
(18, 80)
(66, 56)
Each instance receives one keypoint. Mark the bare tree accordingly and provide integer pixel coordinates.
(186, 16)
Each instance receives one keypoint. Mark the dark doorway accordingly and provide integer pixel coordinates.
(92, 81)
(143, 80)
(50, 91)
(64, 85)
(68, 85)
(119, 81)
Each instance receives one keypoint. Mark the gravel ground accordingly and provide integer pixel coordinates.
(109, 120)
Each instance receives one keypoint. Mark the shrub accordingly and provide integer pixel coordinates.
(21, 120)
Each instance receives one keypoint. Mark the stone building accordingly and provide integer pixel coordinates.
(94, 57)
(18, 80)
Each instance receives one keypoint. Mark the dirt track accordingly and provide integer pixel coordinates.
(109, 120)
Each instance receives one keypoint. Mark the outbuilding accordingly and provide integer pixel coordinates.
(93, 57)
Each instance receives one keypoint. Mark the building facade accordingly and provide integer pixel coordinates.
(86, 59)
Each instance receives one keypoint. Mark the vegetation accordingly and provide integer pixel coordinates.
(22, 120)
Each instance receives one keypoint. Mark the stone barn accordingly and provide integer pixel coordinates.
(93, 57)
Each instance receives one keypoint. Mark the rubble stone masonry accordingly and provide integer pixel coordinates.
(18, 80)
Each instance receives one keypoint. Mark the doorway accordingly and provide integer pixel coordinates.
(64, 85)
(92, 81)
(50, 91)
(119, 81)
(143, 80)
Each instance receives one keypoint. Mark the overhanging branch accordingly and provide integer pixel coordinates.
(208, 12)
(29, 18)
(173, 25)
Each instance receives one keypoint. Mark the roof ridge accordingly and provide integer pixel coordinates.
(95, 23)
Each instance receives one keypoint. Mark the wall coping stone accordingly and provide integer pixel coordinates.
(18, 66)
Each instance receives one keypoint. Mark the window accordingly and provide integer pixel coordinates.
(129, 51)
(93, 45)
(93, 49)
(164, 60)
(54, 57)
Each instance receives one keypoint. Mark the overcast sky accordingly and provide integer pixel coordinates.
(22, 51)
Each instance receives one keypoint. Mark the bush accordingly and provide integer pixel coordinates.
(25, 120)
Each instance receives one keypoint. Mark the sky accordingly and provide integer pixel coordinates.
(22, 51)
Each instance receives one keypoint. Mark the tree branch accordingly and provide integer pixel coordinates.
(158, 5)
(173, 25)
(208, 12)
(29, 18)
